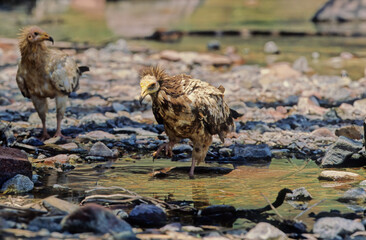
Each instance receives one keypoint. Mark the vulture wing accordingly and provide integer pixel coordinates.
(20, 78)
(208, 103)
(64, 74)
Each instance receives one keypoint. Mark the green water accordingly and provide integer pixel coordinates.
(242, 188)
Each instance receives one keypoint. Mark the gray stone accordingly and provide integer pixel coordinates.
(172, 227)
(179, 148)
(265, 230)
(301, 64)
(330, 175)
(271, 48)
(51, 223)
(336, 227)
(95, 218)
(18, 184)
(145, 215)
(101, 150)
(252, 152)
(340, 152)
(353, 195)
(58, 206)
(119, 107)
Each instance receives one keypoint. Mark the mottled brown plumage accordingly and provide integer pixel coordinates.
(188, 108)
(46, 73)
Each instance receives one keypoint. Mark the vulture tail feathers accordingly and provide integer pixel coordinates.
(83, 69)
(235, 114)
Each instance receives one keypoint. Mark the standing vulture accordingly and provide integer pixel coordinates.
(46, 73)
(188, 108)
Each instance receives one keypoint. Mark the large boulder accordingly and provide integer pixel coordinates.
(13, 162)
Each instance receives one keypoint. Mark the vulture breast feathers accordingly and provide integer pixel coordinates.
(188, 106)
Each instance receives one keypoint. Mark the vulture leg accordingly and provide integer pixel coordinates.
(168, 149)
(61, 102)
(199, 153)
(40, 104)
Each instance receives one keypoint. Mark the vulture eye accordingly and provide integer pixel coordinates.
(36, 33)
(152, 86)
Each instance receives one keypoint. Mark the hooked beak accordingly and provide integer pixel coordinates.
(47, 37)
(142, 96)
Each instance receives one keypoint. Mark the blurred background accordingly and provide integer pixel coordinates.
(329, 34)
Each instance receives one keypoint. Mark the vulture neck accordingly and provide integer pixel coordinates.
(33, 52)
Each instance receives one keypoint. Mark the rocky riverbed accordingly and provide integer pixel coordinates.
(288, 114)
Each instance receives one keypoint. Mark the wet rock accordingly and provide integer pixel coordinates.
(180, 148)
(145, 215)
(299, 194)
(271, 48)
(57, 206)
(18, 184)
(213, 45)
(33, 141)
(251, 152)
(338, 176)
(13, 162)
(99, 149)
(95, 218)
(336, 227)
(120, 213)
(340, 153)
(354, 195)
(352, 132)
(265, 230)
(51, 223)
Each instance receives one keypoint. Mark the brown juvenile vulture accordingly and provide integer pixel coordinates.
(188, 108)
(46, 73)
